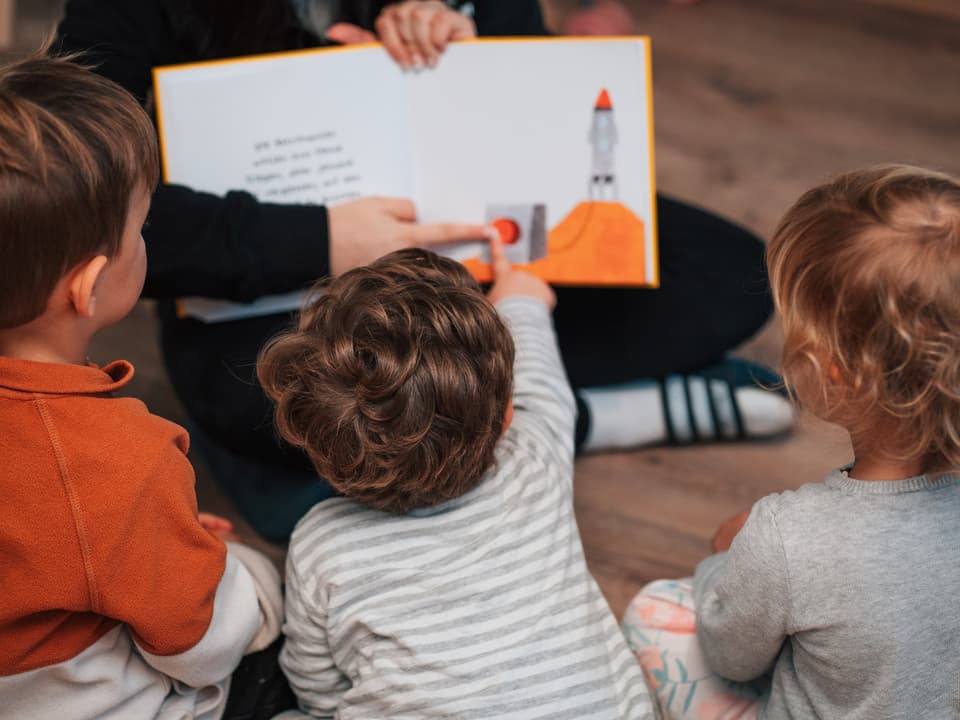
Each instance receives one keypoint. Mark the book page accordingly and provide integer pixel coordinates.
(555, 132)
(550, 139)
(289, 128)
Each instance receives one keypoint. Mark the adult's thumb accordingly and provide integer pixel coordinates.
(349, 34)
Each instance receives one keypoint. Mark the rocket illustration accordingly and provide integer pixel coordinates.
(603, 136)
(601, 241)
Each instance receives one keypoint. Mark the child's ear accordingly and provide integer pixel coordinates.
(833, 372)
(83, 284)
(508, 417)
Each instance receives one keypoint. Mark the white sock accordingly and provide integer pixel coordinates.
(624, 416)
(764, 413)
(631, 415)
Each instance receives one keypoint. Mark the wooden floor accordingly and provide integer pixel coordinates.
(755, 101)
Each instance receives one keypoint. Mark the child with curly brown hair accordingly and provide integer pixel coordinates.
(844, 591)
(449, 580)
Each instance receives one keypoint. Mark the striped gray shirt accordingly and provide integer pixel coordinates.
(478, 608)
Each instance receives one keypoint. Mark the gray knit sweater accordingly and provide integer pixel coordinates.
(849, 591)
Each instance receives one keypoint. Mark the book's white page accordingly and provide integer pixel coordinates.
(510, 122)
(498, 124)
(287, 129)
(292, 128)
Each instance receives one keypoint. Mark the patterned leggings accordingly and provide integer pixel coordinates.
(660, 627)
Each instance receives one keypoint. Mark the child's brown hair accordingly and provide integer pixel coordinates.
(865, 273)
(395, 381)
(74, 147)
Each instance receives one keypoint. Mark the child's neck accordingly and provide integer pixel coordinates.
(47, 339)
(870, 467)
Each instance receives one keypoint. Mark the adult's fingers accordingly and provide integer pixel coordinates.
(440, 233)
(419, 27)
(442, 30)
(463, 28)
(448, 26)
(389, 34)
(404, 23)
(350, 34)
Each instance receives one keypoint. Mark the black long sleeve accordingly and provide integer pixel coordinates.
(509, 17)
(231, 247)
(492, 17)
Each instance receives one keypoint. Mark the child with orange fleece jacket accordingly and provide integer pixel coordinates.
(116, 602)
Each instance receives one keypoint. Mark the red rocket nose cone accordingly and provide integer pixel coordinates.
(603, 101)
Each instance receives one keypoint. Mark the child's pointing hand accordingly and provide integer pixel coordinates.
(508, 282)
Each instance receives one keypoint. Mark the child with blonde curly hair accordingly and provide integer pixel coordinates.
(839, 599)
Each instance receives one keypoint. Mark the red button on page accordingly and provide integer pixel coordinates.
(508, 229)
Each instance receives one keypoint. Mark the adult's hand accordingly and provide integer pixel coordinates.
(416, 32)
(510, 282)
(365, 229)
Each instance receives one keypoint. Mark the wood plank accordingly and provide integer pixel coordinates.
(948, 9)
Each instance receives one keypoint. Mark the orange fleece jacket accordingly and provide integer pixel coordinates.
(100, 520)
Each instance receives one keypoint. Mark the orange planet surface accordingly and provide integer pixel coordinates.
(598, 243)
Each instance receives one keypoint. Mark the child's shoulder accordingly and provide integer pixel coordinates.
(809, 521)
(75, 408)
(119, 427)
(793, 508)
(811, 492)
(338, 534)
(331, 513)
(333, 523)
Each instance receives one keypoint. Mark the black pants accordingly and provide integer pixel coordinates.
(713, 295)
(258, 689)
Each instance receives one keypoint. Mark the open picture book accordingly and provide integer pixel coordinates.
(550, 139)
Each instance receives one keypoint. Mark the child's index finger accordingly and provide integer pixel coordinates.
(498, 256)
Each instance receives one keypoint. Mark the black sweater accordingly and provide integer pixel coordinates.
(231, 247)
